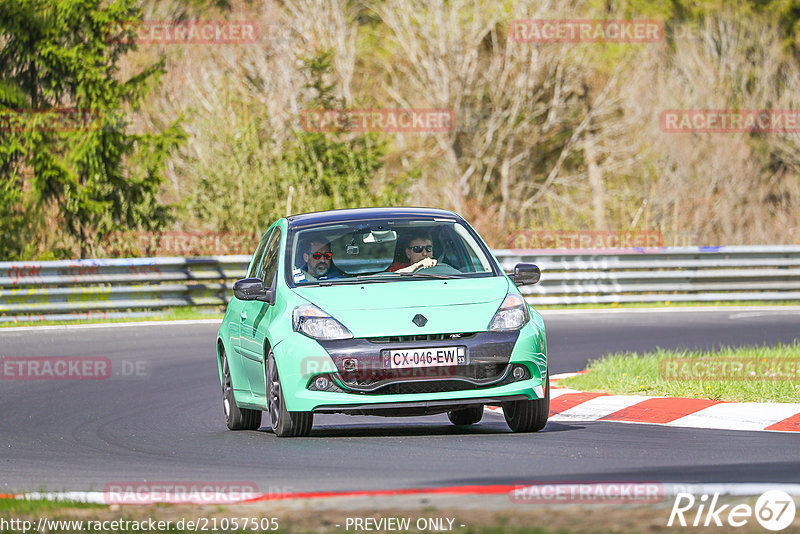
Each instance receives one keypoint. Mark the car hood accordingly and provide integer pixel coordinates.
(387, 308)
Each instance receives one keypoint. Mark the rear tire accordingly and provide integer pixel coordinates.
(235, 417)
(285, 424)
(529, 415)
(466, 416)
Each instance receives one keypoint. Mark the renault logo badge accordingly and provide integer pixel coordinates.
(420, 320)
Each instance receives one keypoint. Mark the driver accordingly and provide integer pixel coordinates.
(319, 261)
(418, 251)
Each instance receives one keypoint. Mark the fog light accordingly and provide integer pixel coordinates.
(519, 373)
(321, 383)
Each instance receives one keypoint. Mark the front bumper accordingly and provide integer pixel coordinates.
(375, 389)
(362, 365)
(404, 409)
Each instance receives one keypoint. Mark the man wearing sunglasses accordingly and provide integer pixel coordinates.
(419, 253)
(319, 261)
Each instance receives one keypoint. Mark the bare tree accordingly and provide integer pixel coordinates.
(734, 187)
(525, 112)
(559, 135)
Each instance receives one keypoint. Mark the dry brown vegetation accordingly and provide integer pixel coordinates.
(547, 136)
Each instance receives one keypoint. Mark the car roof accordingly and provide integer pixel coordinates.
(355, 214)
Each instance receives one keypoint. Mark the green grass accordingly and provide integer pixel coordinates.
(171, 314)
(641, 374)
(11, 507)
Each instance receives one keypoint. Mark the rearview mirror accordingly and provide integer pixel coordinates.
(525, 273)
(379, 236)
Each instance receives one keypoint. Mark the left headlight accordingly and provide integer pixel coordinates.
(512, 314)
(315, 323)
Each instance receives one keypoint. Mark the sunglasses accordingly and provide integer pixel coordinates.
(420, 248)
(320, 255)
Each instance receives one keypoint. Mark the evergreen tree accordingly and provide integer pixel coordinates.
(64, 140)
(244, 185)
(339, 167)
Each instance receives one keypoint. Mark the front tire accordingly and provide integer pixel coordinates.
(235, 417)
(466, 416)
(529, 415)
(285, 424)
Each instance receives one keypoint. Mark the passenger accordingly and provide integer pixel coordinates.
(417, 253)
(318, 261)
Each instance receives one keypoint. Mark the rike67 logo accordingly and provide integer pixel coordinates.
(774, 510)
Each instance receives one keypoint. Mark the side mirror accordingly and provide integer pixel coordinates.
(253, 289)
(525, 273)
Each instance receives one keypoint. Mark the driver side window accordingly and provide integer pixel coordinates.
(269, 264)
(258, 256)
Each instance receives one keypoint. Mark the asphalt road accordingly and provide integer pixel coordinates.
(167, 424)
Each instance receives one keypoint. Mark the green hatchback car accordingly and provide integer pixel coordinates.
(380, 311)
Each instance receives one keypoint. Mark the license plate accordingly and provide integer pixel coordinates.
(428, 357)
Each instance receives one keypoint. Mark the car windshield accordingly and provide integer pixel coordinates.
(383, 250)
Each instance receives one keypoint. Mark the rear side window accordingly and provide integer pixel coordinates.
(258, 256)
(269, 265)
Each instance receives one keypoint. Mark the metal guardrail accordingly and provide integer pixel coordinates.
(676, 274)
(114, 288)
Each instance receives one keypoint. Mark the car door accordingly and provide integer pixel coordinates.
(254, 318)
(236, 306)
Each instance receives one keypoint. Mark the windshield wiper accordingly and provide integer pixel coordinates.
(409, 275)
(379, 274)
(344, 281)
(383, 276)
(431, 275)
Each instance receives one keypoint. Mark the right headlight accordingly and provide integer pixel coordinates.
(512, 314)
(315, 323)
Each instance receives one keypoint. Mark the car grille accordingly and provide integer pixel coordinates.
(421, 337)
(423, 386)
(473, 372)
(425, 380)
